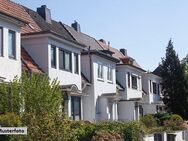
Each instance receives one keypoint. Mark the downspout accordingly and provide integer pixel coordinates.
(90, 65)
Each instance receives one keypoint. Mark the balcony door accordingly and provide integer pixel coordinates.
(75, 108)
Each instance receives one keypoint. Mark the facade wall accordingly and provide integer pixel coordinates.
(98, 88)
(126, 110)
(10, 67)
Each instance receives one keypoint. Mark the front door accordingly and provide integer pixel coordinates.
(76, 108)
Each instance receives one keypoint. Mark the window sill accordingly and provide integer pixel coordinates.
(100, 79)
(12, 58)
(65, 70)
(110, 82)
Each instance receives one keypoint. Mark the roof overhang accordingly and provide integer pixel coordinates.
(14, 20)
(101, 54)
(132, 66)
(53, 35)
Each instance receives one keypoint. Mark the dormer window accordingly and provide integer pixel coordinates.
(12, 44)
(1, 41)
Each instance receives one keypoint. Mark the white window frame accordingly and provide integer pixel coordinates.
(110, 74)
(100, 71)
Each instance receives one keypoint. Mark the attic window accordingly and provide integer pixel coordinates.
(31, 26)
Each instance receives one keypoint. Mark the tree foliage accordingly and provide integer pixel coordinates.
(30, 94)
(173, 83)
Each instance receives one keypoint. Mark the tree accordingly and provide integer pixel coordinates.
(31, 94)
(173, 83)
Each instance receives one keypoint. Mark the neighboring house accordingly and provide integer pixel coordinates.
(10, 41)
(152, 102)
(99, 68)
(129, 75)
(57, 54)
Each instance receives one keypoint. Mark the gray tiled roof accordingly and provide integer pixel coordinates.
(55, 27)
(83, 38)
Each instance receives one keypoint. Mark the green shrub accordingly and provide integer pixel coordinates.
(82, 130)
(46, 127)
(149, 121)
(10, 120)
(175, 122)
(133, 131)
(161, 117)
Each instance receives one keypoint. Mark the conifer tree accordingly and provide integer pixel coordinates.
(173, 83)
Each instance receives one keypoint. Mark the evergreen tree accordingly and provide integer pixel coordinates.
(173, 83)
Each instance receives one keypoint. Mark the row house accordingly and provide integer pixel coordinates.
(99, 68)
(98, 82)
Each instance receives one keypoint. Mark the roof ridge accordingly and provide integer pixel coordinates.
(62, 24)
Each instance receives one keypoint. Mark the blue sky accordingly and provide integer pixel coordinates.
(143, 27)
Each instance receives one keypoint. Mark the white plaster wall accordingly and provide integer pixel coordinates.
(122, 78)
(149, 109)
(89, 105)
(10, 67)
(149, 137)
(126, 110)
(186, 135)
(85, 66)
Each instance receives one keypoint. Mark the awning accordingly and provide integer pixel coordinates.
(71, 89)
(111, 96)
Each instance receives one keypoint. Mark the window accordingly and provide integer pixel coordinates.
(53, 56)
(76, 63)
(76, 108)
(100, 71)
(65, 60)
(154, 88)
(134, 82)
(129, 80)
(61, 59)
(157, 137)
(1, 41)
(150, 86)
(11, 44)
(158, 89)
(109, 74)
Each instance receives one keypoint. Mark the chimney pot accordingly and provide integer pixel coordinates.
(123, 51)
(103, 41)
(76, 26)
(45, 13)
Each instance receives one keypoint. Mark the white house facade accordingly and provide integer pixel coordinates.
(101, 100)
(152, 102)
(10, 43)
